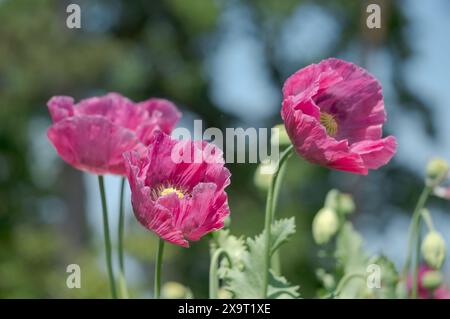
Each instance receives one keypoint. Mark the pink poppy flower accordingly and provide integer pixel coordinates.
(439, 293)
(93, 134)
(334, 113)
(178, 197)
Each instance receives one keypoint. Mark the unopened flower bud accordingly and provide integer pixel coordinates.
(263, 176)
(432, 280)
(437, 170)
(331, 200)
(279, 136)
(346, 205)
(325, 225)
(327, 279)
(175, 290)
(342, 203)
(433, 249)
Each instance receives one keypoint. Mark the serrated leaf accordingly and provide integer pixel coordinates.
(281, 231)
(280, 288)
(233, 246)
(247, 281)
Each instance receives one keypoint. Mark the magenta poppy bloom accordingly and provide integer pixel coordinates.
(334, 114)
(439, 293)
(178, 188)
(93, 134)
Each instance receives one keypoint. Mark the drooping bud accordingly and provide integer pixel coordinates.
(437, 171)
(342, 203)
(432, 280)
(280, 136)
(331, 200)
(325, 225)
(346, 205)
(433, 249)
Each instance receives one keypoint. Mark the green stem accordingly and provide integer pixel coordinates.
(414, 236)
(122, 280)
(415, 286)
(109, 266)
(275, 262)
(159, 258)
(213, 279)
(426, 216)
(269, 217)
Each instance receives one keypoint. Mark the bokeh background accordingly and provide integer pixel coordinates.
(222, 61)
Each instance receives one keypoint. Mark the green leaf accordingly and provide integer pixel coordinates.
(351, 258)
(389, 278)
(349, 252)
(280, 288)
(245, 279)
(281, 231)
(233, 246)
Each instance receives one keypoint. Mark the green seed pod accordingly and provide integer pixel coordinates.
(325, 225)
(433, 249)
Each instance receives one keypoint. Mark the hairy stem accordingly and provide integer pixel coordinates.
(159, 258)
(269, 215)
(414, 240)
(122, 280)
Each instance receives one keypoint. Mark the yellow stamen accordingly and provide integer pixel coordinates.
(170, 190)
(329, 122)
